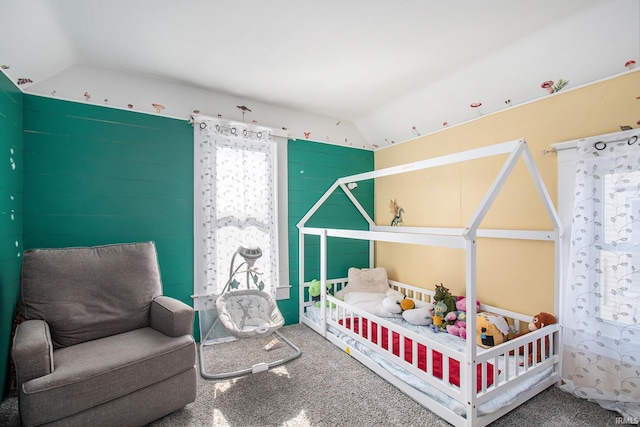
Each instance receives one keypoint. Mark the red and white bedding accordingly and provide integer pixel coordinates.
(437, 360)
(445, 369)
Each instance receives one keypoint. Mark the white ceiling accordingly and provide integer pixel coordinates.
(380, 67)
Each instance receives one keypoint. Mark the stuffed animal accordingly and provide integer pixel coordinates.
(314, 291)
(448, 320)
(458, 328)
(457, 325)
(407, 304)
(396, 305)
(442, 294)
(439, 311)
(491, 329)
(419, 316)
(461, 304)
(540, 320)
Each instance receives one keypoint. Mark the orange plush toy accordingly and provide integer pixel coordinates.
(540, 320)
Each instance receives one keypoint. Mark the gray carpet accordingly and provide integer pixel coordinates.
(326, 387)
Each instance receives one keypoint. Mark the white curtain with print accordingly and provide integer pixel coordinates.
(601, 300)
(234, 205)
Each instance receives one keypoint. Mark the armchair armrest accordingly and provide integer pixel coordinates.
(171, 317)
(32, 350)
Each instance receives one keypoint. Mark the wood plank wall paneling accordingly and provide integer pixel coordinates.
(96, 175)
(11, 215)
(313, 168)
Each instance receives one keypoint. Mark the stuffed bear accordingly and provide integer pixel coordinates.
(491, 329)
(540, 320)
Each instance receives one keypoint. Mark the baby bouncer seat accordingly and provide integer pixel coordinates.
(247, 313)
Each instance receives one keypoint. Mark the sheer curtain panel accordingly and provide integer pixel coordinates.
(601, 336)
(235, 199)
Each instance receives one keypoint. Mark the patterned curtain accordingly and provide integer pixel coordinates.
(601, 299)
(234, 205)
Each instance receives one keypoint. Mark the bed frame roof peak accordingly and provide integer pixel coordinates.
(516, 149)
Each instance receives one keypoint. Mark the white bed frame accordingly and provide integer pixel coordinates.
(464, 239)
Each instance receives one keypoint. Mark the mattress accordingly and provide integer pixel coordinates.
(453, 342)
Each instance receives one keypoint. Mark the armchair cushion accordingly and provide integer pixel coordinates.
(90, 293)
(95, 372)
(32, 350)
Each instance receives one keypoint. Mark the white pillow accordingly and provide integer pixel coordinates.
(371, 302)
(363, 298)
(372, 280)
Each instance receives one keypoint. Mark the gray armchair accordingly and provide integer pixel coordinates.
(100, 345)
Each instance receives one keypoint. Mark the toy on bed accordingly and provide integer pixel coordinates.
(444, 304)
(540, 320)
(397, 304)
(416, 313)
(491, 329)
(420, 316)
(314, 291)
(443, 294)
(458, 325)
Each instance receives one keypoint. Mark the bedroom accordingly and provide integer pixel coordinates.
(579, 110)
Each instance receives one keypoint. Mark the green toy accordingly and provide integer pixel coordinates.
(443, 294)
(314, 291)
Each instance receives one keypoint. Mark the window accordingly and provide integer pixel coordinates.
(620, 248)
(235, 204)
(603, 202)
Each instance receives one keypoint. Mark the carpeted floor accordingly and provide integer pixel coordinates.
(326, 387)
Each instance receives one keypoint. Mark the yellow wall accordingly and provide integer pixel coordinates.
(511, 274)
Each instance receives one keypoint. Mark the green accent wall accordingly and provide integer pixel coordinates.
(96, 175)
(11, 166)
(313, 168)
(90, 175)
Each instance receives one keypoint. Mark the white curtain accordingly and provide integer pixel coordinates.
(601, 297)
(234, 205)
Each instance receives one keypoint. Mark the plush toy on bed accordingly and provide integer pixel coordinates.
(456, 321)
(444, 303)
(438, 313)
(416, 313)
(491, 329)
(540, 320)
(421, 315)
(396, 304)
(459, 325)
(314, 291)
(442, 294)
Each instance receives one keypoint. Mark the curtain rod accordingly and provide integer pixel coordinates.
(599, 145)
(229, 124)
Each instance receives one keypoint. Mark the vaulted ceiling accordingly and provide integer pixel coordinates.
(367, 73)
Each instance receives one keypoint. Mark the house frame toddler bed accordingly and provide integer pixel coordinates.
(453, 377)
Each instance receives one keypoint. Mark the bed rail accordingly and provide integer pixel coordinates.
(531, 357)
